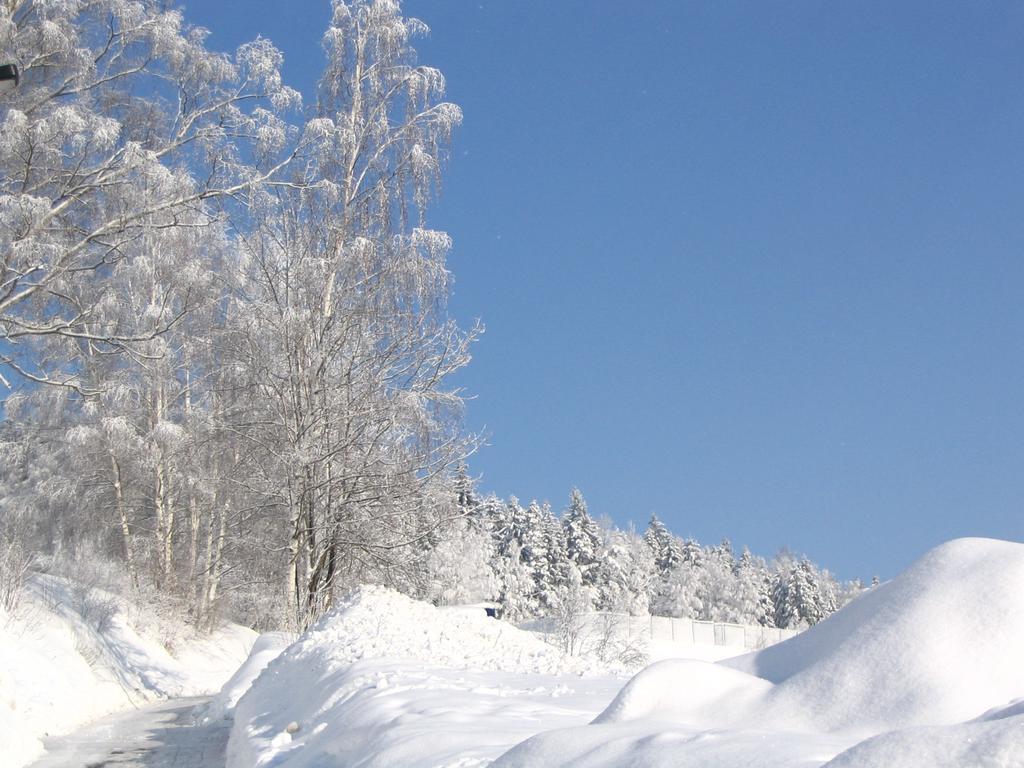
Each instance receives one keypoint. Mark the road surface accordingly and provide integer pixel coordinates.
(170, 734)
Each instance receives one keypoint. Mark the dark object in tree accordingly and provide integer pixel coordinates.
(9, 77)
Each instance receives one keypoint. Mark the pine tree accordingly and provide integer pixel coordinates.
(465, 490)
(765, 612)
(582, 539)
(805, 593)
(692, 553)
(663, 545)
(517, 590)
(508, 523)
(628, 567)
(784, 612)
(554, 577)
(798, 599)
(750, 595)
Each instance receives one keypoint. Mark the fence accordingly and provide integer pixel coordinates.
(692, 632)
(679, 631)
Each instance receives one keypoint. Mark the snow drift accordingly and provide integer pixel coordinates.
(384, 680)
(913, 660)
(267, 647)
(60, 666)
(939, 644)
(922, 672)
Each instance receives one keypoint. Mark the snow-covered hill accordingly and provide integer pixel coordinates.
(67, 657)
(929, 664)
(384, 680)
(923, 671)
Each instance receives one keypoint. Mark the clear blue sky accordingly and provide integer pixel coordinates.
(755, 267)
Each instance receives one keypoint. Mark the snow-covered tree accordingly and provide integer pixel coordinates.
(663, 545)
(459, 565)
(517, 589)
(718, 589)
(800, 600)
(345, 346)
(667, 556)
(582, 539)
(553, 574)
(125, 128)
(680, 594)
(628, 567)
(751, 602)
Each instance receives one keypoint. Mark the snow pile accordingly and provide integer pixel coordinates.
(376, 622)
(922, 672)
(977, 745)
(267, 647)
(937, 646)
(940, 644)
(64, 662)
(386, 680)
(689, 691)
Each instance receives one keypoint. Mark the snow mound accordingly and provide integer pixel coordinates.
(657, 744)
(63, 664)
(376, 622)
(923, 671)
(997, 744)
(939, 644)
(692, 692)
(267, 647)
(385, 680)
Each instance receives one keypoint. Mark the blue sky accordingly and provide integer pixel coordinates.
(754, 267)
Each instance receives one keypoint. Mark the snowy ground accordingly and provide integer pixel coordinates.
(388, 681)
(922, 672)
(67, 658)
(170, 734)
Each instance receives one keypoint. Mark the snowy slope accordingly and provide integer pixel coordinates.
(267, 647)
(384, 680)
(923, 672)
(891, 680)
(939, 644)
(59, 669)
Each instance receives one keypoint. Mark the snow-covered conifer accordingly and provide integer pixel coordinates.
(663, 545)
(582, 538)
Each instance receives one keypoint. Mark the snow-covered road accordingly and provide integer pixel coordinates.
(165, 735)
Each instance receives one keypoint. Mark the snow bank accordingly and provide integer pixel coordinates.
(923, 671)
(267, 647)
(997, 744)
(376, 622)
(661, 744)
(61, 667)
(904, 666)
(688, 691)
(939, 644)
(384, 680)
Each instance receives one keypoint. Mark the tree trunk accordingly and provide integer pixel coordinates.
(195, 519)
(122, 513)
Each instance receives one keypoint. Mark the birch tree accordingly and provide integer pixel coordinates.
(124, 125)
(346, 344)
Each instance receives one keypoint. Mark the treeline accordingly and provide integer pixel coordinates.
(536, 563)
